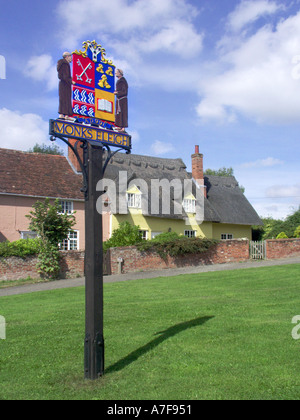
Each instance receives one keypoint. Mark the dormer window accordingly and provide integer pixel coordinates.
(134, 198)
(189, 204)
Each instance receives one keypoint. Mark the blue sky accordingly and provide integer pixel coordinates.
(224, 75)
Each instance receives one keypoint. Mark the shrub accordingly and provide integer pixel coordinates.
(281, 235)
(176, 245)
(20, 248)
(125, 235)
(297, 232)
(52, 227)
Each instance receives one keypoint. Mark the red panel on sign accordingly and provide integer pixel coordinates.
(83, 71)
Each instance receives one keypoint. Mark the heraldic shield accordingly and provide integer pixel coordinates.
(94, 77)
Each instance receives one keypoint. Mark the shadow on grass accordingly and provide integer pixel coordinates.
(170, 332)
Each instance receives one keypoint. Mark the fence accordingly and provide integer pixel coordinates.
(258, 250)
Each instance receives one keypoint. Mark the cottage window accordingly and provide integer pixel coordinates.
(134, 200)
(67, 207)
(154, 234)
(189, 205)
(28, 234)
(71, 243)
(144, 234)
(190, 233)
(226, 236)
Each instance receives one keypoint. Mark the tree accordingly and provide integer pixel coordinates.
(274, 227)
(52, 228)
(49, 150)
(271, 228)
(297, 232)
(220, 172)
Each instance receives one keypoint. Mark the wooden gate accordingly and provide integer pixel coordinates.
(258, 250)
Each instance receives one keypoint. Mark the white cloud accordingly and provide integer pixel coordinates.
(292, 191)
(175, 37)
(161, 148)
(263, 163)
(118, 17)
(42, 69)
(132, 29)
(274, 209)
(135, 136)
(22, 131)
(253, 77)
(249, 11)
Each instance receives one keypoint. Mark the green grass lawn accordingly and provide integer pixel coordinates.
(223, 335)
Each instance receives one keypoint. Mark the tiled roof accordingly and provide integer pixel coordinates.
(38, 175)
(42, 175)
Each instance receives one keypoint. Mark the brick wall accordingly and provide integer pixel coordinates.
(72, 264)
(134, 260)
(282, 248)
(14, 268)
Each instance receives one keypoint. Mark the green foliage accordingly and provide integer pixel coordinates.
(291, 223)
(49, 150)
(46, 219)
(220, 172)
(20, 248)
(297, 232)
(257, 233)
(173, 245)
(49, 260)
(52, 228)
(273, 227)
(125, 235)
(281, 235)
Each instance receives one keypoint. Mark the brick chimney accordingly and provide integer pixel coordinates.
(197, 168)
(72, 158)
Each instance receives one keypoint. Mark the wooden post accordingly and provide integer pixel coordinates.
(94, 340)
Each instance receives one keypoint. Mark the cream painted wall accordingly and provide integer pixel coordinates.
(206, 229)
(238, 231)
(157, 224)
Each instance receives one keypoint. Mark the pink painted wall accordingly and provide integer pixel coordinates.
(13, 220)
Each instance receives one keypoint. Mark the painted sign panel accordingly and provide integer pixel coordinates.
(94, 77)
(87, 132)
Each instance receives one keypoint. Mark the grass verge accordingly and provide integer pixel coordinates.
(221, 335)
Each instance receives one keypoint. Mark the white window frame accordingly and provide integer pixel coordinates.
(71, 243)
(27, 234)
(134, 200)
(226, 236)
(190, 233)
(67, 206)
(145, 234)
(189, 205)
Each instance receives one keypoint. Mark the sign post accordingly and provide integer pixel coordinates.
(94, 340)
(91, 132)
